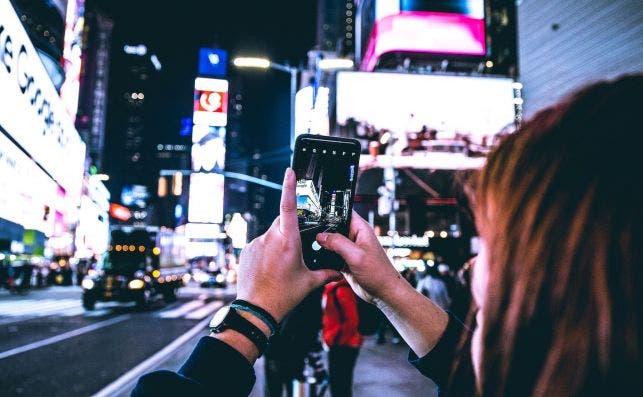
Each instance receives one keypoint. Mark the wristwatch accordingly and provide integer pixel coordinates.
(228, 318)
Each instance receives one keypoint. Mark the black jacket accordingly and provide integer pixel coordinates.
(216, 369)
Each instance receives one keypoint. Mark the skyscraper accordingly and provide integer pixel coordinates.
(92, 104)
(131, 143)
(336, 26)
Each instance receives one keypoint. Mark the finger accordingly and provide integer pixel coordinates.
(336, 242)
(288, 209)
(358, 225)
(324, 276)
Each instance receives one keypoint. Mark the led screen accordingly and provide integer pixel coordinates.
(420, 26)
(416, 113)
(206, 198)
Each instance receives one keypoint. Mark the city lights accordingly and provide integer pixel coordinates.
(251, 62)
(335, 64)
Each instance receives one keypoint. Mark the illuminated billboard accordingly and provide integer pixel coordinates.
(420, 26)
(72, 51)
(208, 155)
(206, 198)
(417, 113)
(210, 102)
(212, 62)
(32, 112)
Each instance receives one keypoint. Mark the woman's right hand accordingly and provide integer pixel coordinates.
(370, 272)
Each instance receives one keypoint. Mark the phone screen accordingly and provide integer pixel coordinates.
(326, 171)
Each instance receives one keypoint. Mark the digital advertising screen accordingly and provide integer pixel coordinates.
(454, 27)
(210, 102)
(206, 198)
(424, 121)
(406, 104)
(213, 62)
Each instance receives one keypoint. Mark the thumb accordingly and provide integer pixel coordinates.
(336, 242)
(324, 276)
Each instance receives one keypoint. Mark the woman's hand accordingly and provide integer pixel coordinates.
(370, 272)
(372, 276)
(272, 274)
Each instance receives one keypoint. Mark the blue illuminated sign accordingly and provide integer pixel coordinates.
(212, 62)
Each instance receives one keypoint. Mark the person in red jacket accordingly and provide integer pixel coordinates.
(340, 333)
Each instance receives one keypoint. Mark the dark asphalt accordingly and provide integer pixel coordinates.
(85, 364)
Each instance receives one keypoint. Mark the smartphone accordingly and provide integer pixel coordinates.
(326, 170)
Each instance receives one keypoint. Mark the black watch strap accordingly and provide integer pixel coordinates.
(235, 321)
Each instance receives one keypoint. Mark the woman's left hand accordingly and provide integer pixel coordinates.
(272, 273)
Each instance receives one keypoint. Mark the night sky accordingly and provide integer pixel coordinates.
(282, 30)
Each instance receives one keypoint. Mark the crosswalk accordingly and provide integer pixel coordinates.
(195, 309)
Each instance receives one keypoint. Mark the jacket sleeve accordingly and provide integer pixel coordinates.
(437, 363)
(213, 369)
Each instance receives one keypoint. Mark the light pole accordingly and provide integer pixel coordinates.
(262, 63)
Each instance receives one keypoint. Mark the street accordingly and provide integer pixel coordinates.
(50, 346)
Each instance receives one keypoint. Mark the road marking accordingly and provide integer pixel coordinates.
(181, 310)
(204, 311)
(63, 336)
(36, 307)
(74, 311)
(117, 386)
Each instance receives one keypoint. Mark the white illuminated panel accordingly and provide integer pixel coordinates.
(208, 155)
(195, 249)
(202, 230)
(31, 110)
(312, 118)
(474, 106)
(25, 190)
(206, 198)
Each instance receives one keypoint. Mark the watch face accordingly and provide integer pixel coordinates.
(219, 317)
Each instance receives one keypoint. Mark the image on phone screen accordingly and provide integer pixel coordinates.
(326, 172)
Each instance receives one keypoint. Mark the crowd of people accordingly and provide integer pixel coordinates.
(419, 138)
(556, 302)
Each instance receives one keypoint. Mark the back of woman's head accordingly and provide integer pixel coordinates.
(560, 205)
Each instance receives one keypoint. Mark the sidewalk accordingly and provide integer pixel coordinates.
(382, 371)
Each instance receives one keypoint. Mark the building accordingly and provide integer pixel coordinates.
(39, 193)
(336, 27)
(558, 54)
(92, 105)
(44, 22)
(131, 142)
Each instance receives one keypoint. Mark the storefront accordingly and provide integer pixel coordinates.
(41, 154)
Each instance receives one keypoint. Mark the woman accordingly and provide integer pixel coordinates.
(557, 281)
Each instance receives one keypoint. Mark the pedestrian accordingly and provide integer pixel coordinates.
(434, 288)
(557, 280)
(298, 336)
(341, 336)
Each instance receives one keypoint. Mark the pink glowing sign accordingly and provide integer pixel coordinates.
(425, 32)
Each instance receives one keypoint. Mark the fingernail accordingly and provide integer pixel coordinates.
(322, 237)
(288, 173)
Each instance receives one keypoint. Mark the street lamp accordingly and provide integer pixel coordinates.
(263, 63)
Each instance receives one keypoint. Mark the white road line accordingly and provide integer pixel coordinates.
(74, 311)
(204, 311)
(37, 307)
(117, 386)
(97, 313)
(181, 310)
(63, 336)
(9, 308)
